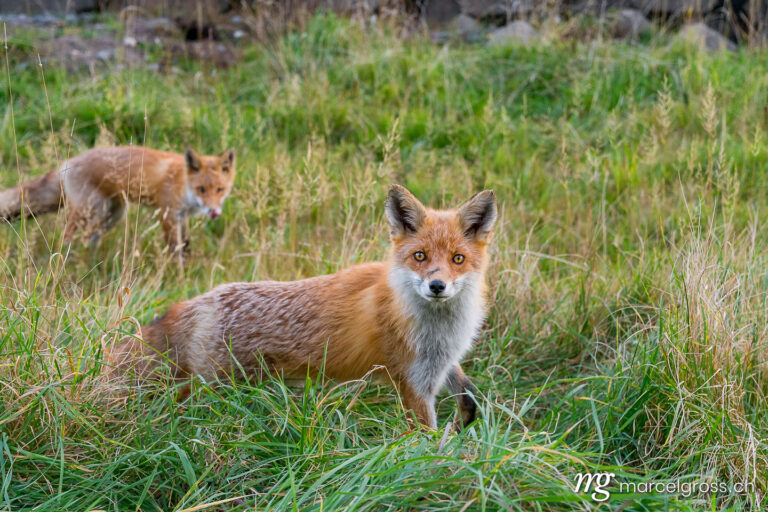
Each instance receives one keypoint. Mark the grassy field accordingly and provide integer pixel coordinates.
(628, 329)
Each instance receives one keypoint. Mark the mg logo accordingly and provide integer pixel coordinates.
(594, 483)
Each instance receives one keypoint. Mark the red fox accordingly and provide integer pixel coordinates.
(415, 315)
(97, 183)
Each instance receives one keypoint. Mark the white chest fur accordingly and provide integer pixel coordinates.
(442, 332)
(192, 202)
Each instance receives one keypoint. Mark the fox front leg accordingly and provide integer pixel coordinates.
(185, 234)
(462, 388)
(423, 408)
(173, 231)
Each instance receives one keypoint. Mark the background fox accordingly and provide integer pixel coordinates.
(415, 314)
(97, 183)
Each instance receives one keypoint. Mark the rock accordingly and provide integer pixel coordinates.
(17, 19)
(498, 9)
(105, 54)
(628, 24)
(460, 27)
(673, 7)
(46, 20)
(216, 53)
(178, 9)
(439, 12)
(160, 26)
(520, 32)
(657, 8)
(742, 21)
(705, 38)
(463, 24)
(76, 52)
(146, 30)
(47, 6)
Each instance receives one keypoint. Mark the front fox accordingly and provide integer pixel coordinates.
(415, 314)
(97, 183)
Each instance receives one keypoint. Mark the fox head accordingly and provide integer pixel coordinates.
(438, 254)
(209, 180)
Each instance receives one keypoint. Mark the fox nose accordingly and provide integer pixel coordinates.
(215, 213)
(437, 287)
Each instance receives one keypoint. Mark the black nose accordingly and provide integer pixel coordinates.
(437, 287)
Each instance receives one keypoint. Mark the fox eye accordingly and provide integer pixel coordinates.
(201, 190)
(458, 259)
(220, 190)
(419, 256)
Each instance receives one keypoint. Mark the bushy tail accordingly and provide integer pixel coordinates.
(34, 197)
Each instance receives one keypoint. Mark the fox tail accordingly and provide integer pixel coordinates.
(34, 197)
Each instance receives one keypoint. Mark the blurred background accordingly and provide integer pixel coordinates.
(210, 29)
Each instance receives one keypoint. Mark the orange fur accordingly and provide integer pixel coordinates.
(97, 183)
(348, 323)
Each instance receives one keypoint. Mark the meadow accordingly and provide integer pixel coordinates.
(627, 326)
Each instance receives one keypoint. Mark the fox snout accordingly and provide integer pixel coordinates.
(437, 289)
(215, 212)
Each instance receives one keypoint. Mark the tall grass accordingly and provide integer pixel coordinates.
(627, 331)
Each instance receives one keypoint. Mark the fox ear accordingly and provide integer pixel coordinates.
(404, 212)
(227, 159)
(478, 215)
(192, 159)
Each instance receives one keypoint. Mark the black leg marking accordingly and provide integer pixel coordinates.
(462, 387)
